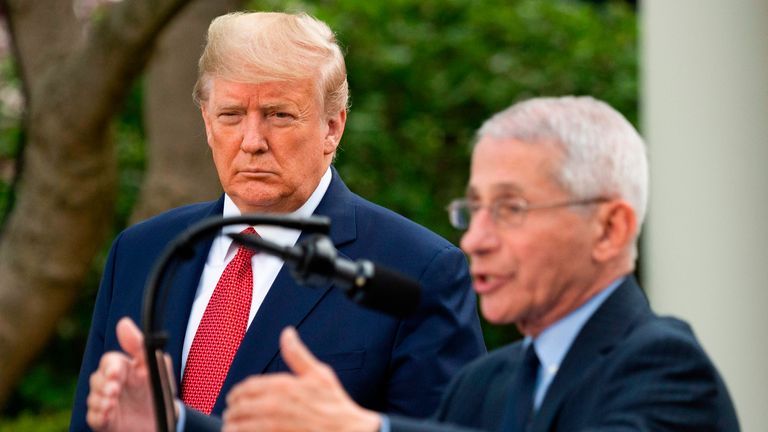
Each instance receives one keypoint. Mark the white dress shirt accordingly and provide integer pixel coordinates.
(265, 267)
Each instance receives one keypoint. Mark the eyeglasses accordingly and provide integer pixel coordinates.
(507, 212)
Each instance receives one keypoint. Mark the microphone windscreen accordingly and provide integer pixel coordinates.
(390, 292)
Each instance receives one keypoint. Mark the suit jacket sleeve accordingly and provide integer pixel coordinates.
(199, 422)
(432, 347)
(462, 407)
(403, 424)
(665, 382)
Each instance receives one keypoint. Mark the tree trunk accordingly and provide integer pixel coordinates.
(179, 165)
(74, 79)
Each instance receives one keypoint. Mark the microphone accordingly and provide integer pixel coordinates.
(316, 261)
(179, 249)
(312, 261)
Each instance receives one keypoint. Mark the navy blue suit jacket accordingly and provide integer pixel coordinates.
(627, 370)
(386, 364)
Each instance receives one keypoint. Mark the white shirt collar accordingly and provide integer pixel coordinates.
(279, 235)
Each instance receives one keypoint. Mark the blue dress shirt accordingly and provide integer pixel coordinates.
(553, 343)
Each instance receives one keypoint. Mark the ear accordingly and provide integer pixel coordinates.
(616, 228)
(335, 125)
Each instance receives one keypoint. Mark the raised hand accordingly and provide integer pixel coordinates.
(310, 399)
(120, 398)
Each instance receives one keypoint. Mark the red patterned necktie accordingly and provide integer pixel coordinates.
(220, 332)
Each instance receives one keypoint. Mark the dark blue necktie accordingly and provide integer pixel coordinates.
(520, 405)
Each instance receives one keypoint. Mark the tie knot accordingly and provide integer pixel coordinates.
(243, 251)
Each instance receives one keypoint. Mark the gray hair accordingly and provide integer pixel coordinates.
(256, 47)
(603, 153)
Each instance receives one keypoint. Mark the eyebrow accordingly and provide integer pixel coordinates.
(497, 189)
(269, 106)
(228, 106)
(507, 188)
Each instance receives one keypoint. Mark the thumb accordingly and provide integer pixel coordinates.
(296, 355)
(130, 338)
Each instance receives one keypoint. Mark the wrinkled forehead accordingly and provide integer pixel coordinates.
(295, 87)
(513, 167)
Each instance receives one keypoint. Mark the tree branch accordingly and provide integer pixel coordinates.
(65, 198)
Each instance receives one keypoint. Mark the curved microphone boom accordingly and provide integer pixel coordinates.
(313, 261)
(182, 247)
(316, 261)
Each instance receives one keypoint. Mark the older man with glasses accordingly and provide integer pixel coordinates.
(553, 209)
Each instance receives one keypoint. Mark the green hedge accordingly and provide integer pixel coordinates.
(423, 75)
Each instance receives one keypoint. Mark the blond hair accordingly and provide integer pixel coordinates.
(256, 47)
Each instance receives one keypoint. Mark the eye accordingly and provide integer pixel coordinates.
(510, 207)
(229, 116)
(281, 117)
(473, 207)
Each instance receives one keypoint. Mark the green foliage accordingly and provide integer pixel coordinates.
(37, 422)
(10, 130)
(129, 136)
(423, 74)
(48, 387)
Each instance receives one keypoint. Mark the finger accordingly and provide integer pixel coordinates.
(256, 409)
(101, 399)
(111, 373)
(130, 338)
(262, 385)
(246, 425)
(296, 355)
(96, 419)
(99, 406)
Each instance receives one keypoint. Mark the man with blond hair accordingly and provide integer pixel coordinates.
(272, 90)
(556, 197)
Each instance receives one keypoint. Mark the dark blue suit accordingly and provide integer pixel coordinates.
(627, 370)
(385, 364)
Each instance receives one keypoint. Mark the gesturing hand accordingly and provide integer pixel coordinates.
(309, 399)
(120, 398)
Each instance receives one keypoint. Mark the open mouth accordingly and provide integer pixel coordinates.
(487, 282)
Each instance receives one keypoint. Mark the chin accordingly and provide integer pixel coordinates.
(256, 203)
(494, 314)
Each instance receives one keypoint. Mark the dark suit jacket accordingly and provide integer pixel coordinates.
(385, 364)
(627, 370)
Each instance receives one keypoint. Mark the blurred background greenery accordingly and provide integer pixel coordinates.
(423, 75)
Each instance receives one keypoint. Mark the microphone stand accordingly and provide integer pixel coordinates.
(182, 247)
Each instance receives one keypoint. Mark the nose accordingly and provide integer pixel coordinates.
(254, 135)
(481, 236)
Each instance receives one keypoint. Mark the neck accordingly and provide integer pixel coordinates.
(534, 326)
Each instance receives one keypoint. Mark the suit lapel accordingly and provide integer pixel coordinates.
(338, 204)
(600, 334)
(287, 302)
(181, 293)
